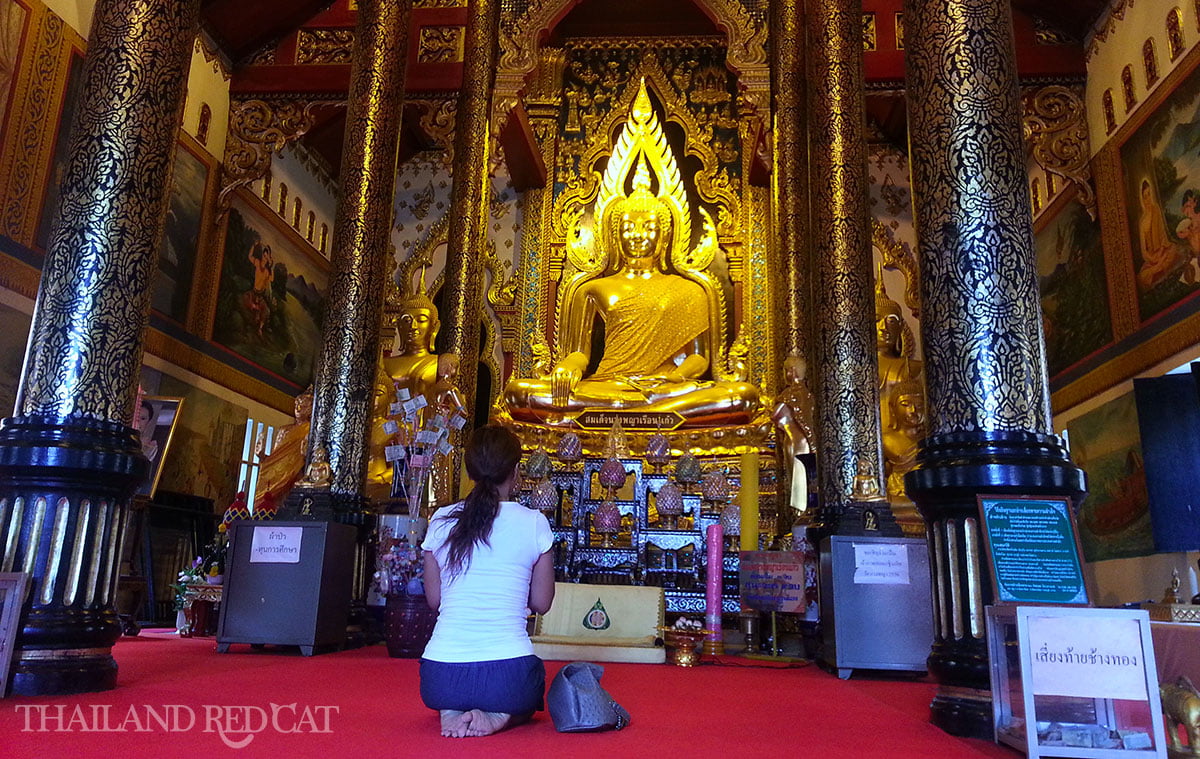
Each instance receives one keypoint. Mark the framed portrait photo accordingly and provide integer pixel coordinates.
(13, 587)
(155, 421)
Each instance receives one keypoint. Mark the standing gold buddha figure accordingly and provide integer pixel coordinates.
(662, 329)
(413, 366)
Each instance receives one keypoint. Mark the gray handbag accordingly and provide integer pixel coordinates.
(578, 704)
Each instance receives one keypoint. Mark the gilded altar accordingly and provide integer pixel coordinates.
(647, 296)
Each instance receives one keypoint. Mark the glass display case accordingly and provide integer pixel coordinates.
(1074, 682)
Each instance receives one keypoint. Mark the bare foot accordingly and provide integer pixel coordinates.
(486, 723)
(454, 723)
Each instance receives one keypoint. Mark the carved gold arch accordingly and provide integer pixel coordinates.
(712, 183)
(520, 41)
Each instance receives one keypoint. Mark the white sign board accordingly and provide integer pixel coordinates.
(276, 545)
(1102, 659)
(881, 564)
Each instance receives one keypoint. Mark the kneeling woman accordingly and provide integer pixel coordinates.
(487, 564)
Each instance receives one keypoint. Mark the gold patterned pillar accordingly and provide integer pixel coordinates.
(789, 180)
(543, 103)
(69, 463)
(470, 195)
(849, 454)
(989, 405)
(367, 182)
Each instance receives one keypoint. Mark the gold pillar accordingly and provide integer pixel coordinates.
(470, 196)
(848, 397)
(543, 103)
(789, 180)
(989, 406)
(70, 463)
(367, 182)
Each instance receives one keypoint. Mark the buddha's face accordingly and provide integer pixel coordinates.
(416, 328)
(910, 409)
(887, 332)
(639, 233)
(304, 404)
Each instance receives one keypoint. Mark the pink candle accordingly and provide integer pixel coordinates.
(712, 598)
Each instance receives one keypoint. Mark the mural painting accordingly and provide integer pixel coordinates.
(181, 236)
(1074, 291)
(271, 298)
(1114, 520)
(1161, 166)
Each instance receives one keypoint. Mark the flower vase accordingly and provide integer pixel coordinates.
(407, 625)
(415, 479)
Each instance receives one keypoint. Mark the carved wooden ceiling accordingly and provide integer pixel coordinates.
(298, 48)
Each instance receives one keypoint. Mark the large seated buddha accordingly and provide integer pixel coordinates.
(661, 311)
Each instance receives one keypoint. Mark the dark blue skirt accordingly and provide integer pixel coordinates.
(513, 686)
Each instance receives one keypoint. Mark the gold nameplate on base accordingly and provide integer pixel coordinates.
(602, 419)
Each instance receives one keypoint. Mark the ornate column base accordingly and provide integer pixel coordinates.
(855, 518)
(953, 469)
(65, 488)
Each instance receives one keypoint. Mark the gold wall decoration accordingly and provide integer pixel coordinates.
(324, 46)
(87, 335)
(440, 44)
(1055, 124)
(213, 55)
(870, 33)
(895, 254)
(521, 35)
(981, 323)
(350, 351)
(258, 129)
(899, 31)
(32, 125)
(440, 3)
(437, 120)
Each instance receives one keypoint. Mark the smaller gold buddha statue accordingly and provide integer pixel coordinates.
(895, 344)
(279, 469)
(865, 486)
(414, 367)
(793, 417)
(318, 475)
(906, 428)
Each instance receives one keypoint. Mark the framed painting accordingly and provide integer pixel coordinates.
(1160, 184)
(272, 292)
(192, 182)
(1077, 319)
(155, 420)
(13, 588)
(1114, 520)
(205, 453)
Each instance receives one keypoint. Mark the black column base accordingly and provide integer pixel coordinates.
(953, 469)
(68, 482)
(855, 518)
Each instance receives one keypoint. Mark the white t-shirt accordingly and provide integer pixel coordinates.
(484, 608)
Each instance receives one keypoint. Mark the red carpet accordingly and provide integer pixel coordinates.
(374, 711)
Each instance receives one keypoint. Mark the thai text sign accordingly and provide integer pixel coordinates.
(1033, 551)
(1100, 658)
(772, 580)
(276, 545)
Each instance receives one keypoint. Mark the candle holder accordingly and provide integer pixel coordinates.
(683, 641)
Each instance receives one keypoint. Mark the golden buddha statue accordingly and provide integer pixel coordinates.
(413, 366)
(895, 345)
(279, 469)
(793, 416)
(906, 428)
(318, 474)
(662, 311)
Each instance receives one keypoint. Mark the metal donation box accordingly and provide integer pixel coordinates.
(875, 604)
(287, 583)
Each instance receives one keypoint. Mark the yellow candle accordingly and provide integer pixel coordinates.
(748, 501)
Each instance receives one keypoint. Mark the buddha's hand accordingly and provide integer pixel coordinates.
(565, 377)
